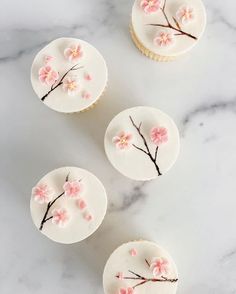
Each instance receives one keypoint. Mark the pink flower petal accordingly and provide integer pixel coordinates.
(81, 204)
(72, 189)
(87, 216)
(122, 140)
(133, 252)
(87, 77)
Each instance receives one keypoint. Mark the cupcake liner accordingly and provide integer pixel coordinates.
(146, 51)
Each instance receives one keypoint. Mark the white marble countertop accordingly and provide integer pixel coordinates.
(190, 211)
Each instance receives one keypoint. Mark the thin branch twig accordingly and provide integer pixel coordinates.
(142, 280)
(148, 152)
(169, 25)
(53, 87)
(50, 204)
(147, 262)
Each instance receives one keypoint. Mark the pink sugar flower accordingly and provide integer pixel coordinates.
(48, 58)
(122, 140)
(86, 95)
(126, 291)
(88, 216)
(60, 217)
(42, 193)
(71, 86)
(185, 14)
(150, 6)
(47, 75)
(72, 189)
(133, 252)
(164, 38)
(120, 276)
(87, 76)
(159, 266)
(159, 135)
(81, 204)
(73, 53)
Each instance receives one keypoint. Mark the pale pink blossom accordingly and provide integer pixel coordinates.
(120, 276)
(72, 189)
(164, 38)
(71, 86)
(48, 59)
(47, 75)
(133, 252)
(42, 193)
(86, 95)
(150, 6)
(126, 291)
(88, 216)
(159, 135)
(122, 140)
(73, 53)
(159, 266)
(87, 76)
(60, 217)
(81, 204)
(185, 14)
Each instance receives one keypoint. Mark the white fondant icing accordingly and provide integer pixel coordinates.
(91, 61)
(134, 163)
(77, 228)
(146, 33)
(121, 262)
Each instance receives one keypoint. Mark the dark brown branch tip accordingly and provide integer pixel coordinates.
(67, 177)
(147, 262)
(142, 280)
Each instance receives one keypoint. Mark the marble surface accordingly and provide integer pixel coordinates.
(190, 211)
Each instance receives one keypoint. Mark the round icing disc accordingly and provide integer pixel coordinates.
(168, 27)
(68, 204)
(69, 75)
(140, 267)
(142, 143)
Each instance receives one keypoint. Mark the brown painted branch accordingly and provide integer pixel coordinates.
(60, 82)
(154, 280)
(140, 149)
(147, 262)
(164, 13)
(50, 204)
(176, 22)
(142, 280)
(137, 275)
(140, 284)
(164, 6)
(175, 29)
(153, 159)
(169, 25)
(141, 135)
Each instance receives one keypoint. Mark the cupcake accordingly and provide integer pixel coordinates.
(166, 29)
(69, 75)
(142, 143)
(68, 204)
(140, 267)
